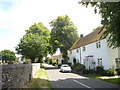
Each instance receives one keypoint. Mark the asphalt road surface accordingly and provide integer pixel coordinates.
(71, 80)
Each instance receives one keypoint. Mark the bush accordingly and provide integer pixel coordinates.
(111, 72)
(78, 68)
(42, 66)
(118, 71)
(99, 69)
(59, 65)
(54, 62)
(89, 71)
(103, 73)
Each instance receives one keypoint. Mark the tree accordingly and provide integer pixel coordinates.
(35, 42)
(110, 12)
(63, 34)
(8, 56)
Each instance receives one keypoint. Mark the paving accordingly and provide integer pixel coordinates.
(71, 80)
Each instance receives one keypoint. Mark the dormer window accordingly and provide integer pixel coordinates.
(98, 44)
(83, 48)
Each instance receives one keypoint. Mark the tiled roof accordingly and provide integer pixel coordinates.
(90, 38)
(56, 56)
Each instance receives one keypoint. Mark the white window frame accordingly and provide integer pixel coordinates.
(117, 62)
(84, 48)
(99, 61)
(98, 44)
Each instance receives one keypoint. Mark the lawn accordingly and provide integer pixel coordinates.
(40, 80)
(111, 80)
(94, 75)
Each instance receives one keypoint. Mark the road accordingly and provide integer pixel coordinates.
(71, 80)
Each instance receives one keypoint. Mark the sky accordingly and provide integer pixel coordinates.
(16, 16)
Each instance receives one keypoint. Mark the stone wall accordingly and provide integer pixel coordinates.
(15, 75)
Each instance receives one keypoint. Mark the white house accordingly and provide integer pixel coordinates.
(59, 58)
(92, 51)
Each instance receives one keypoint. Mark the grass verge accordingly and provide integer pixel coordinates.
(40, 80)
(111, 80)
(94, 75)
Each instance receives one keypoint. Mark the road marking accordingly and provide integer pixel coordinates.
(83, 84)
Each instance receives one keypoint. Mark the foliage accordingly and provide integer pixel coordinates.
(42, 66)
(111, 72)
(90, 71)
(99, 27)
(8, 56)
(49, 60)
(59, 65)
(54, 62)
(63, 34)
(110, 12)
(99, 69)
(77, 68)
(35, 43)
(118, 71)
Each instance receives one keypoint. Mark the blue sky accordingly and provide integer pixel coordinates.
(18, 15)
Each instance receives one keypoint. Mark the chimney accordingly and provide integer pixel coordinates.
(81, 35)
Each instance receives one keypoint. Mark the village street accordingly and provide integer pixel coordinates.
(71, 80)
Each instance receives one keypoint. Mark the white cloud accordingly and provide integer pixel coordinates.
(28, 12)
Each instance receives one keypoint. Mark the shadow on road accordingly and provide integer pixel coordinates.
(49, 68)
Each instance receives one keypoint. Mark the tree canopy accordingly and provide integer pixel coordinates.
(8, 56)
(35, 42)
(63, 34)
(110, 12)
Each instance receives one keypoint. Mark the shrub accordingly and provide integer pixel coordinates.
(59, 65)
(54, 62)
(42, 66)
(99, 69)
(111, 72)
(118, 71)
(89, 71)
(77, 68)
(103, 73)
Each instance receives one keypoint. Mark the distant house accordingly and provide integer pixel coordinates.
(92, 51)
(59, 58)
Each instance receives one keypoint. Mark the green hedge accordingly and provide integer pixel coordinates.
(78, 68)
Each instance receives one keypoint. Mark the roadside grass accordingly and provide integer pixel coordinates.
(40, 80)
(94, 75)
(111, 80)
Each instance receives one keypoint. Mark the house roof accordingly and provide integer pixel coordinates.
(56, 56)
(90, 38)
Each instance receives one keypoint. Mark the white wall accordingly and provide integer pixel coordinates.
(75, 55)
(107, 54)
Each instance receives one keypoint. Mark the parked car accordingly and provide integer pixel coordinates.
(65, 68)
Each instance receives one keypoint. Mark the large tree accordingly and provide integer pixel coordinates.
(110, 12)
(35, 42)
(8, 56)
(63, 34)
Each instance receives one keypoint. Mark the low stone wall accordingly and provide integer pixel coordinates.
(15, 75)
(35, 68)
